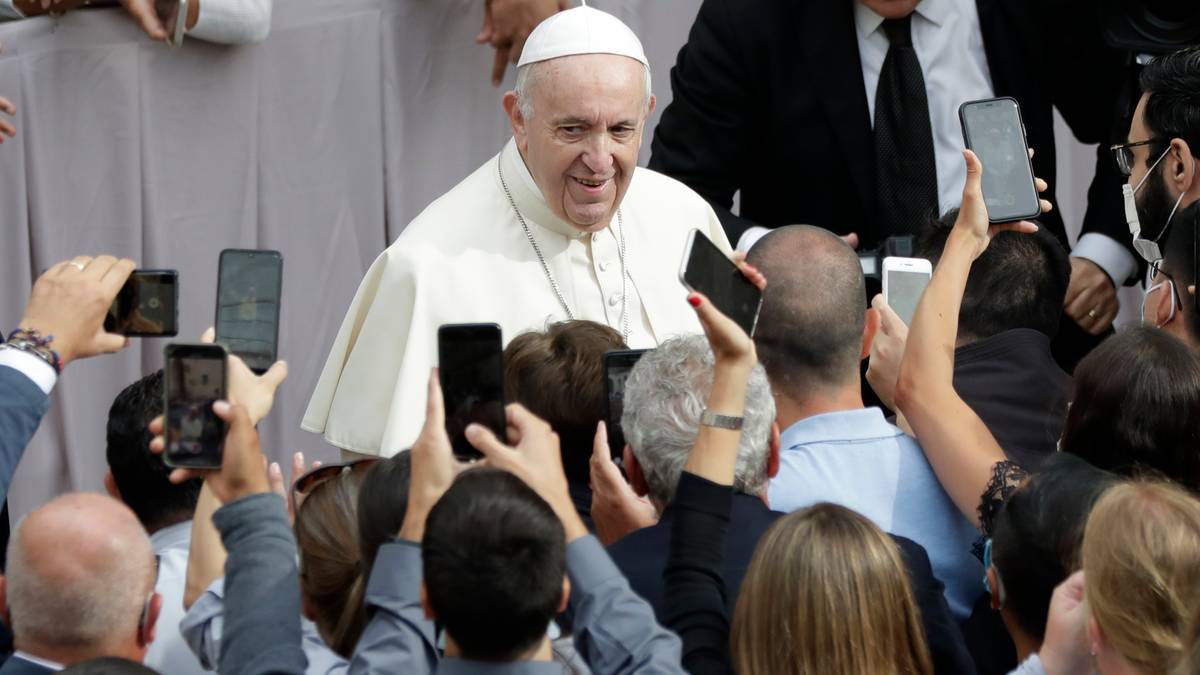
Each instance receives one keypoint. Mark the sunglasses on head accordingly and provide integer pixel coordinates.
(306, 483)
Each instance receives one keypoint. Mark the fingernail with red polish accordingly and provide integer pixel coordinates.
(694, 300)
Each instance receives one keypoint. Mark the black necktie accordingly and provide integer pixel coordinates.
(905, 173)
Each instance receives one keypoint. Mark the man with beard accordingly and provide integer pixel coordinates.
(1162, 190)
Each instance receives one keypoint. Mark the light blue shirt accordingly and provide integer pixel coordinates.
(855, 458)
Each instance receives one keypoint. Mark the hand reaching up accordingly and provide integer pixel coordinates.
(434, 466)
(972, 220)
(616, 508)
(532, 454)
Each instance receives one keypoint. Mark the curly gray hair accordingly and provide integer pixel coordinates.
(664, 398)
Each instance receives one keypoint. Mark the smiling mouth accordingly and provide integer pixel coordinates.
(590, 184)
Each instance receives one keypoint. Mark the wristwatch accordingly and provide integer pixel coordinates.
(712, 419)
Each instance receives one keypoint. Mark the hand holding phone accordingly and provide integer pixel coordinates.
(146, 306)
(471, 370)
(194, 379)
(904, 280)
(992, 128)
(707, 270)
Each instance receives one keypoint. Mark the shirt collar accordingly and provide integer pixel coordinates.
(453, 666)
(528, 197)
(45, 663)
(177, 536)
(866, 21)
(862, 424)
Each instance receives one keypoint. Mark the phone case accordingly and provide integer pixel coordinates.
(170, 351)
(962, 120)
(278, 304)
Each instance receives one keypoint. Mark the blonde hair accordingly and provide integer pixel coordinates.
(1141, 554)
(827, 592)
(1190, 665)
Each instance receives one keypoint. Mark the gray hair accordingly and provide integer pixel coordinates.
(527, 76)
(91, 601)
(664, 398)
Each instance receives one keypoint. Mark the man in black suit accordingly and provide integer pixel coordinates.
(843, 114)
(664, 397)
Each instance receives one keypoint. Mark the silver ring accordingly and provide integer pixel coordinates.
(76, 265)
(1092, 313)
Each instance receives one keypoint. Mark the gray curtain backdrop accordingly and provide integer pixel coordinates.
(322, 142)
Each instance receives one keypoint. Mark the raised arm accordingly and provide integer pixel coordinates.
(958, 445)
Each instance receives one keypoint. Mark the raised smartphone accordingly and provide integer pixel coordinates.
(904, 280)
(194, 378)
(249, 286)
(146, 306)
(992, 128)
(707, 270)
(617, 366)
(471, 370)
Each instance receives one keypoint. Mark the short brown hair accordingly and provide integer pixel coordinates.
(558, 374)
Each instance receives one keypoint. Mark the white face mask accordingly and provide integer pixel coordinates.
(1147, 248)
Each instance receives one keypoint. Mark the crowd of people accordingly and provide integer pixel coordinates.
(999, 513)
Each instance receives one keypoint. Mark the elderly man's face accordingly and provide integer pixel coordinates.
(582, 140)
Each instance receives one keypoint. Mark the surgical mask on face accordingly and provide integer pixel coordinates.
(1147, 248)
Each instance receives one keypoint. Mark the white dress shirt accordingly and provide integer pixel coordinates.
(169, 653)
(949, 46)
(41, 373)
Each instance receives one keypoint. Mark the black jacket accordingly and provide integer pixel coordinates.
(769, 100)
(643, 556)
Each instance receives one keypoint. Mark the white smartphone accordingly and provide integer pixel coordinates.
(173, 15)
(904, 280)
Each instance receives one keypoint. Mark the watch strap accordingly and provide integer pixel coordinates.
(712, 419)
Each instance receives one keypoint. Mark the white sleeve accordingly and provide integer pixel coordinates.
(1110, 256)
(232, 21)
(750, 237)
(9, 11)
(30, 366)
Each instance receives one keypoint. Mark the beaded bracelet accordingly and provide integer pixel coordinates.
(32, 342)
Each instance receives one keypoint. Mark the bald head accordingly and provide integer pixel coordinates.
(810, 330)
(80, 570)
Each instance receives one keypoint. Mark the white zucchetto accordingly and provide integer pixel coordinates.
(581, 30)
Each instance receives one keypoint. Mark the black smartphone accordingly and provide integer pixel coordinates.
(992, 128)
(617, 366)
(249, 285)
(709, 271)
(194, 377)
(471, 370)
(146, 306)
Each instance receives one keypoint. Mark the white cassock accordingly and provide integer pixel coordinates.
(466, 259)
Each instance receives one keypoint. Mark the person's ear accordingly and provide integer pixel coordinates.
(512, 108)
(4, 613)
(425, 604)
(650, 108)
(870, 329)
(774, 444)
(993, 583)
(149, 622)
(1162, 302)
(110, 485)
(566, 595)
(637, 479)
(1182, 169)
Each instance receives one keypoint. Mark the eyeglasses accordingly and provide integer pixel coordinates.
(305, 484)
(1123, 154)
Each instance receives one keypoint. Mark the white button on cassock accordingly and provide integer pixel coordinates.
(614, 299)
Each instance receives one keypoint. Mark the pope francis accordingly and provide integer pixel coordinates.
(561, 224)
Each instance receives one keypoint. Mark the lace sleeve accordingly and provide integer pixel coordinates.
(1007, 476)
